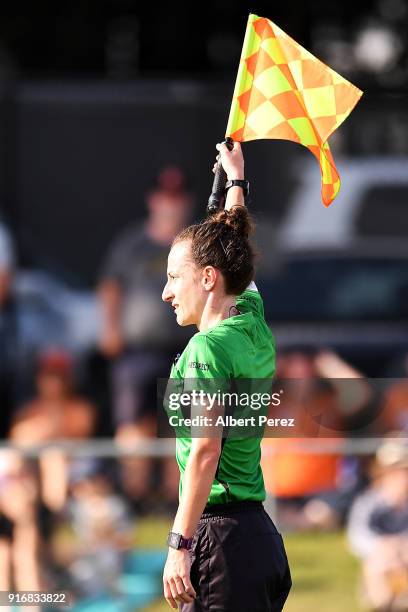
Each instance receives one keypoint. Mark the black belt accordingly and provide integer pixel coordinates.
(231, 508)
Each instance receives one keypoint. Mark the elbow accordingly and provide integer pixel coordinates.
(207, 454)
(208, 462)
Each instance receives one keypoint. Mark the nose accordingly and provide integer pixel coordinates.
(167, 295)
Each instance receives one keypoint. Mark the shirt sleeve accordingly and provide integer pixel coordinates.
(209, 370)
(208, 367)
(207, 359)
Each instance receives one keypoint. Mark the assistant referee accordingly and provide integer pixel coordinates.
(225, 553)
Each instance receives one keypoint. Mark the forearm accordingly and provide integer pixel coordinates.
(330, 365)
(198, 478)
(234, 166)
(110, 296)
(352, 394)
(235, 195)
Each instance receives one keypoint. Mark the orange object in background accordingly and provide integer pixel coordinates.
(288, 473)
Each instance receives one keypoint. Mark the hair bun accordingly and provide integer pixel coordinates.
(237, 218)
(222, 240)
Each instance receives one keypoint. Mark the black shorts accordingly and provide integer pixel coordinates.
(239, 562)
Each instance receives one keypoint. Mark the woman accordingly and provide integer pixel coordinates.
(224, 551)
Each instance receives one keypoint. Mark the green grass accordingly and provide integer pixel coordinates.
(324, 573)
(152, 532)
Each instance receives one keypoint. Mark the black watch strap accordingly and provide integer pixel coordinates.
(177, 541)
(238, 183)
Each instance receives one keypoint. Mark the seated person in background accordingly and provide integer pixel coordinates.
(104, 528)
(310, 487)
(138, 331)
(378, 529)
(19, 525)
(55, 413)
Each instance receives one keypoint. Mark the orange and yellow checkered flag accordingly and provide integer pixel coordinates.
(283, 91)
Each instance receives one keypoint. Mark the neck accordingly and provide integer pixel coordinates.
(216, 309)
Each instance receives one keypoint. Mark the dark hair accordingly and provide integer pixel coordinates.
(222, 241)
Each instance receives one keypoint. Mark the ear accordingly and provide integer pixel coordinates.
(209, 278)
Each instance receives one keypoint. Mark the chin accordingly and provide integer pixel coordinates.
(182, 321)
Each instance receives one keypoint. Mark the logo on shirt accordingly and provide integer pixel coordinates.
(199, 366)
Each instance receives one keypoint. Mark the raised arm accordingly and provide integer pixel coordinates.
(233, 164)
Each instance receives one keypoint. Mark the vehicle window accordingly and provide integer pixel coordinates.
(383, 211)
(337, 289)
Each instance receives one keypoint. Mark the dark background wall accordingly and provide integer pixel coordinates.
(84, 155)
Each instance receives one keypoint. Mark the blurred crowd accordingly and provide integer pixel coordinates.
(78, 366)
(85, 366)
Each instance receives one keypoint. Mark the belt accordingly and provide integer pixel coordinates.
(233, 507)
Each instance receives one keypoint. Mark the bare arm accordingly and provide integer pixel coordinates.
(197, 481)
(198, 478)
(233, 164)
(352, 396)
(110, 297)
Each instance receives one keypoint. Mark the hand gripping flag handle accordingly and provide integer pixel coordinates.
(220, 179)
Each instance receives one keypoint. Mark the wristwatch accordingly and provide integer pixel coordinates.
(177, 541)
(238, 183)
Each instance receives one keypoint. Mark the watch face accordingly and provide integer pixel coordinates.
(174, 540)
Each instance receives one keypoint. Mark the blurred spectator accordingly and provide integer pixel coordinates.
(378, 529)
(8, 329)
(103, 526)
(55, 413)
(19, 532)
(138, 331)
(36, 311)
(313, 489)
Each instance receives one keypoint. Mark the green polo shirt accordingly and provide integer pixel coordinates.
(243, 347)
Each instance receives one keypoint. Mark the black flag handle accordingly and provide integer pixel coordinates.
(217, 193)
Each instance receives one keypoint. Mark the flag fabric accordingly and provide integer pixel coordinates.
(283, 91)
